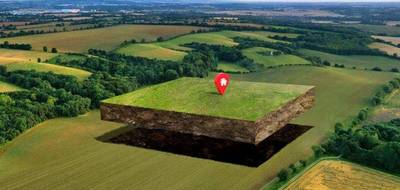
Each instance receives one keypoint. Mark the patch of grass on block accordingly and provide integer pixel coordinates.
(248, 112)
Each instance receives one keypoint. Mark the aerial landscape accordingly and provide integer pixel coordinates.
(188, 94)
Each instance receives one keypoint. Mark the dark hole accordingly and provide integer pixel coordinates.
(206, 147)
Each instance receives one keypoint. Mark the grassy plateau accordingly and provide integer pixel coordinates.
(242, 100)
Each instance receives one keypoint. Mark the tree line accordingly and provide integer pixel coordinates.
(145, 71)
(53, 95)
(8, 45)
(224, 53)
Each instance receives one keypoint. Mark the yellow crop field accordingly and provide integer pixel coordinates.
(394, 40)
(6, 87)
(28, 60)
(8, 56)
(330, 174)
(390, 50)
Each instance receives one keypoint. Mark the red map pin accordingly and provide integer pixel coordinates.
(221, 82)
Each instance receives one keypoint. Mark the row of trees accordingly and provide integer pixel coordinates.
(22, 110)
(98, 86)
(385, 90)
(145, 71)
(376, 145)
(52, 95)
(223, 53)
(8, 45)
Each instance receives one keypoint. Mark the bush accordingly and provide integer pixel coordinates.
(283, 175)
(396, 70)
(54, 50)
(376, 69)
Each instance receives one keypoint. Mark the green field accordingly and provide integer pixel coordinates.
(170, 49)
(242, 100)
(358, 61)
(268, 61)
(102, 38)
(152, 51)
(67, 149)
(390, 109)
(230, 67)
(377, 29)
(7, 87)
(45, 67)
(340, 94)
(393, 100)
(64, 153)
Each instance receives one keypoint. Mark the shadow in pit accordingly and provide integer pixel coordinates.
(206, 147)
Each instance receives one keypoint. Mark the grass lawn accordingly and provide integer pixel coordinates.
(67, 148)
(358, 61)
(152, 51)
(230, 67)
(45, 67)
(242, 100)
(7, 87)
(285, 59)
(332, 174)
(102, 38)
(389, 49)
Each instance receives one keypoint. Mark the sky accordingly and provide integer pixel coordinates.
(314, 0)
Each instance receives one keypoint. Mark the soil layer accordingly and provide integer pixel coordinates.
(206, 147)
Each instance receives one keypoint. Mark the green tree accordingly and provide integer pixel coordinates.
(5, 100)
(283, 175)
(171, 75)
(45, 48)
(160, 39)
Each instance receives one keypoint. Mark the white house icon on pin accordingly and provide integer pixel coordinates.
(223, 82)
